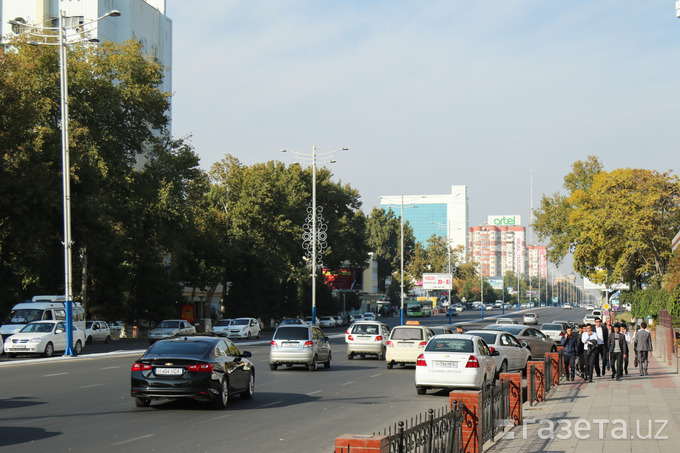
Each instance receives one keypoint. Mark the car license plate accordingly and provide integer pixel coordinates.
(405, 345)
(18, 346)
(169, 371)
(291, 344)
(444, 364)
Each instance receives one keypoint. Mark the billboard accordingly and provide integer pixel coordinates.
(504, 220)
(437, 281)
(496, 282)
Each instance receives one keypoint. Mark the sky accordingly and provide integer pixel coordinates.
(430, 94)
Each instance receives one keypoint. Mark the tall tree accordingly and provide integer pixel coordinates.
(384, 239)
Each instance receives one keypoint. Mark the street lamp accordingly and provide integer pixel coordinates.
(314, 158)
(47, 34)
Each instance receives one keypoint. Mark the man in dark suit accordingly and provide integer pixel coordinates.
(602, 340)
(617, 347)
(643, 346)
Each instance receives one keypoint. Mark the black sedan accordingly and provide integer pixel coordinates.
(206, 369)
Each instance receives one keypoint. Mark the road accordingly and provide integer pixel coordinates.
(83, 403)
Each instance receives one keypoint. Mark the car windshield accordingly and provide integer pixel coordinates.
(367, 329)
(241, 322)
(88, 325)
(407, 333)
(39, 327)
(292, 333)
(291, 321)
(450, 345)
(223, 322)
(23, 316)
(515, 330)
(168, 325)
(551, 327)
(490, 337)
(172, 348)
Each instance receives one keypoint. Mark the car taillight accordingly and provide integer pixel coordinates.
(347, 332)
(273, 343)
(350, 338)
(140, 366)
(492, 349)
(308, 344)
(421, 360)
(422, 344)
(472, 362)
(389, 343)
(204, 367)
(378, 338)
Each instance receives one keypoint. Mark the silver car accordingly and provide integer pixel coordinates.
(299, 345)
(367, 338)
(536, 341)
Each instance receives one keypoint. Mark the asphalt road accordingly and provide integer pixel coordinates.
(83, 403)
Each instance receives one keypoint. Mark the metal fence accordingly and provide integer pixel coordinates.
(495, 409)
(547, 374)
(531, 378)
(439, 432)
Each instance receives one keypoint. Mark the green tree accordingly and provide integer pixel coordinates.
(384, 239)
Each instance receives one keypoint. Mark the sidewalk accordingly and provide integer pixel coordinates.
(636, 414)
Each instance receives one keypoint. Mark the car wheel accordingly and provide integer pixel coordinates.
(107, 340)
(78, 347)
(421, 390)
(350, 356)
(221, 400)
(381, 356)
(503, 369)
(248, 392)
(249, 336)
(273, 366)
(142, 402)
(312, 365)
(390, 365)
(327, 363)
(49, 350)
(88, 340)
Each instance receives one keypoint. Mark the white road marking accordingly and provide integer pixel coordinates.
(133, 439)
(109, 368)
(91, 385)
(348, 383)
(55, 374)
(273, 403)
(314, 393)
(376, 375)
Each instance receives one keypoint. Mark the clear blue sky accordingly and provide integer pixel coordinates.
(429, 94)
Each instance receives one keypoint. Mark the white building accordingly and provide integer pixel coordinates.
(143, 20)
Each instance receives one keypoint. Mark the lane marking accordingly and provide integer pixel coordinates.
(110, 368)
(348, 383)
(376, 375)
(273, 403)
(91, 385)
(133, 439)
(314, 393)
(55, 374)
(219, 418)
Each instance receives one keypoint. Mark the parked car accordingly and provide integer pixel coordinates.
(590, 307)
(209, 369)
(455, 361)
(221, 327)
(367, 338)
(512, 354)
(327, 321)
(171, 328)
(530, 318)
(506, 321)
(312, 321)
(292, 321)
(406, 343)
(368, 316)
(458, 308)
(554, 330)
(43, 338)
(589, 319)
(244, 328)
(536, 342)
(299, 345)
(97, 331)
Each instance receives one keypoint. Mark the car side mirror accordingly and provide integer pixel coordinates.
(523, 344)
(495, 354)
(246, 354)
(327, 339)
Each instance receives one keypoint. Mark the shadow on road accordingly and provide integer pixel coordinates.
(20, 435)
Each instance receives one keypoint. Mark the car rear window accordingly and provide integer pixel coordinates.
(292, 333)
(168, 325)
(366, 329)
(450, 345)
(407, 333)
(490, 338)
(551, 327)
(222, 322)
(172, 348)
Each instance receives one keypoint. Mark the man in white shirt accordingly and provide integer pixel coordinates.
(589, 339)
(602, 339)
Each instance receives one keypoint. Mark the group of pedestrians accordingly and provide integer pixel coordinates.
(606, 345)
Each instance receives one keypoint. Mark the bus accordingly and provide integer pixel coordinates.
(418, 309)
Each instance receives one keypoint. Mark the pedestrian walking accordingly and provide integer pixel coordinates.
(618, 350)
(643, 346)
(581, 359)
(591, 351)
(569, 352)
(625, 333)
(602, 337)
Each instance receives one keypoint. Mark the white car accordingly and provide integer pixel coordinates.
(221, 327)
(244, 328)
(458, 307)
(555, 331)
(566, 306)
(530, 318)
(455, 361)
(44, 338)
(367, 338)
(512, 354)
(327, 321)
(171, 328)
(97, 331)
(506, 321)
(368, 316)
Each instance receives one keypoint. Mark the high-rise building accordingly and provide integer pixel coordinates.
(499, 249)
(441, 215)
(537, 261)
(143, 20)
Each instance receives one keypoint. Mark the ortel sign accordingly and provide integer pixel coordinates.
(504, 220)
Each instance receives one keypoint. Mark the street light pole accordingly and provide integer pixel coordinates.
(44, 32)
(401, 292)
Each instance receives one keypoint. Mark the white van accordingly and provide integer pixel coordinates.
(41, 308)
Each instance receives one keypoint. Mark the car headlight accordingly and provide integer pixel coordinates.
(35, 340)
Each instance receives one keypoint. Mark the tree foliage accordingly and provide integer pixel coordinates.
(384, 239)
